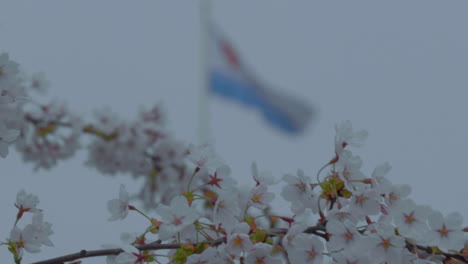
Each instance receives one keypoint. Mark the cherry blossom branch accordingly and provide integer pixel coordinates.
(90, 129)
(156, 245)
(105, 252)
(431, 250)
(318, 230)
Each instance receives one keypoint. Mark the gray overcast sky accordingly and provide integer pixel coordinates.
(396, 68)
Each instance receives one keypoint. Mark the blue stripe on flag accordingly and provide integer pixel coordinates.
(243, 92)
(231, 88)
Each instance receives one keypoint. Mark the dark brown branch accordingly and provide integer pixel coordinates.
(104, 252)
(115, 251)
(318, 230)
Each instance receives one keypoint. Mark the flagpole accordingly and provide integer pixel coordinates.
(203, 105)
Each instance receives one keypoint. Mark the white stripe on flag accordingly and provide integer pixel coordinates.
(230, 79)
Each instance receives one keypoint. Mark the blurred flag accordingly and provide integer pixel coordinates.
(229, 78)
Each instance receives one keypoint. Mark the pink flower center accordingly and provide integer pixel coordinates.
(385, 243)
(409, 218)
(360, 199)
(237, 241)
(256, 198)
(177, 221)
(311, 254)
(444, 231)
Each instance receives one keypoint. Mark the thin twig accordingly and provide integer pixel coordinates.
(105, 252)
(115, 251)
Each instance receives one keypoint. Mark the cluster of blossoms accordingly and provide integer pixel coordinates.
(343, 217)
(12, 95)
(203, 215)
(45, 134)
(33, 235)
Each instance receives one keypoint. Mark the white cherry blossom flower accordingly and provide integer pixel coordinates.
(298, 191)
(227, 210)
(26, 203)
(301, 223)
(365, 202)
(343, 236)
(260, 197)
(203, 156)
(346, 136)
(410, 219)
(385, 246)
(349, 169)
(40, 230)
(395, 195)
(293, 231)
(446, 232)
(176, 217)
(119, 207)
(238, 239)
(379, 182)
(343, 214)
(262, 177)
(224, 256)
(297, 187)
(24, 239)
(261, 253)
(306, 249)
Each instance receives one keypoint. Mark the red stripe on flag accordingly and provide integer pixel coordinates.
(229, 54)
